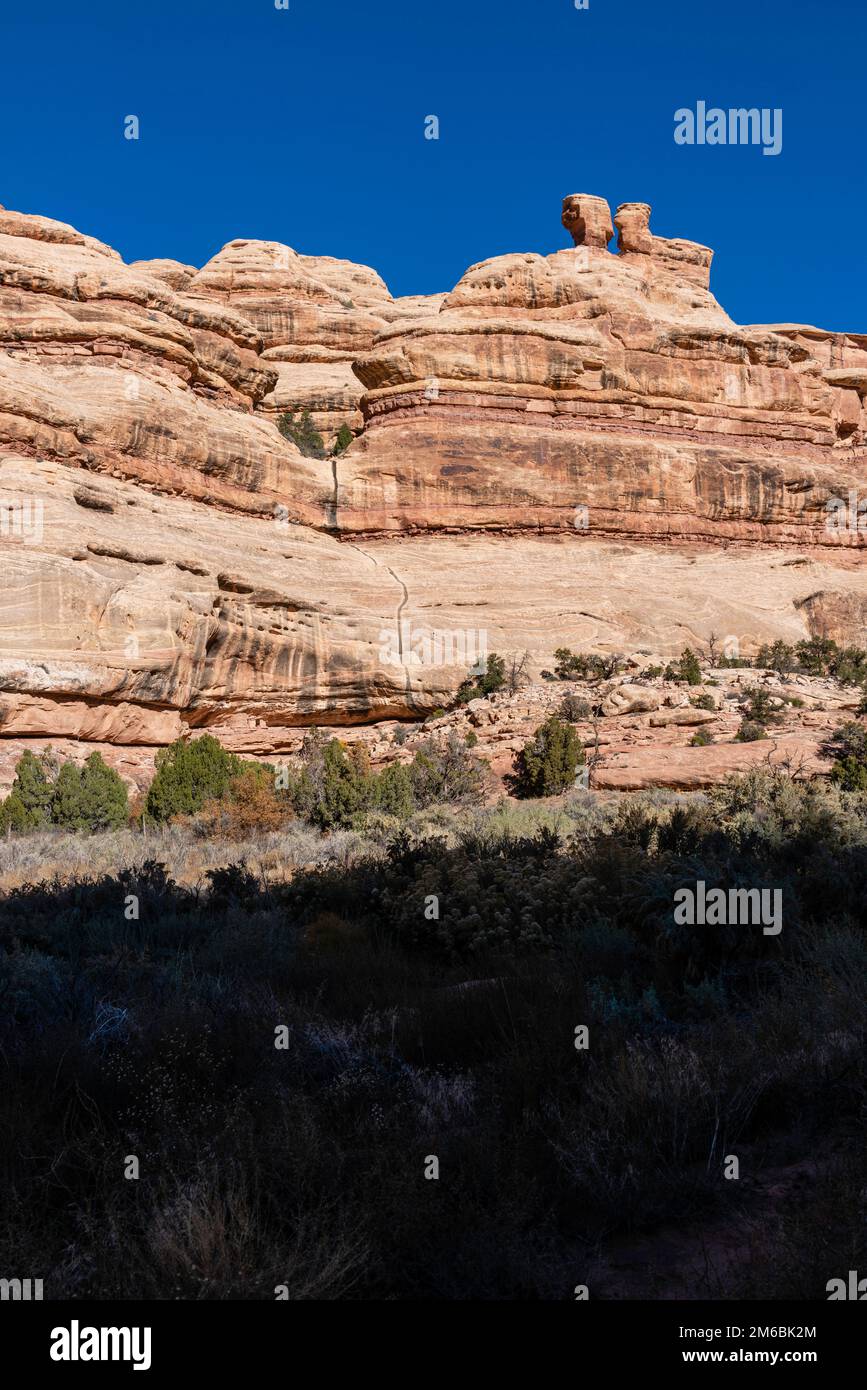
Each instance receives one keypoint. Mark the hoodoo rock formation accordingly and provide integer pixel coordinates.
(576, 449)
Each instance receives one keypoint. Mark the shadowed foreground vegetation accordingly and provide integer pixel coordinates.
(139, 1012)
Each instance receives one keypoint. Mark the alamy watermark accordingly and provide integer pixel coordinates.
(852, 1289)
(736, 126)
(425, 646)
(715, 907)
(20, 1290)
(846, 514)
(22, 519)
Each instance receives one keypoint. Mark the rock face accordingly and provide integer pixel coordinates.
(526, 443)
(588, 390)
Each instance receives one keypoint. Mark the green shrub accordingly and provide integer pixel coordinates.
(28, 805)
(189, 773)
(93, 797)
(758, 706)
(333, 786)
(685, 669)
(703, 701)
(750, 732)
(573, 708)
(478, 686)
(778, 656)
(816, 655)
(393, 794)
(701, 738)
(547, 764)
(819, 656)
(579, 666)
(850, 774)
(850, 666)
(445, 772)
(343, 440)
(302, 432)
(848, 746)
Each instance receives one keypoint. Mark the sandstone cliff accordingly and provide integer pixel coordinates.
(526, 443)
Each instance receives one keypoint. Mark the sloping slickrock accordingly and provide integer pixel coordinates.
(128, 618)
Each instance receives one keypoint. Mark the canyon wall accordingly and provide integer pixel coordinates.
(577, 449)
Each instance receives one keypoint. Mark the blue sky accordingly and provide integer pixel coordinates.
(306, 126)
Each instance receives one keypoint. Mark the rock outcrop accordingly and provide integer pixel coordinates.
(577, 449)
(591, 390)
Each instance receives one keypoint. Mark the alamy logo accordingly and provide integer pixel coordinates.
(846, 514)
(852, 1289)
(424, 646)
(21, 1290)
(714, 907)
(737, 126)
(77, 1343)
(22, 520)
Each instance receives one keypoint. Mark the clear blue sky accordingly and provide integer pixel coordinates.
(307, 126)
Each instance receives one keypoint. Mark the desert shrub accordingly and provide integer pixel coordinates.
(250, 805)
(471, 739)
(758, 706)
(821, 656)
(777, 656)
(394, 792)
(850, 666)
(686, 668)
(445, 772)
(850, 774)
(701, 738)
(488, 683)
(816, 655)
(93, 797)
(547, 763)
(28, 805)
(650, 673)
(750, 731)
(332, 786)
(847, 745)
(703, 701)
(573, 708)
(585, 666)
(187, 774)
(343, 440)
(406, 1030)
(300, 429)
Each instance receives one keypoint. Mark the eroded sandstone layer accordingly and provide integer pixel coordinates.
(576, 449)
(606, 390)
